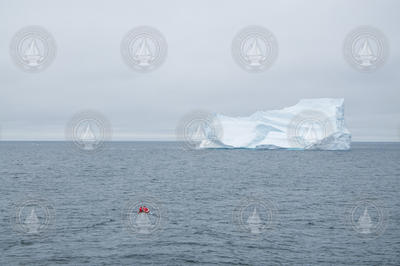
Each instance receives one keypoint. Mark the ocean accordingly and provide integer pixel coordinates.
(59, 205)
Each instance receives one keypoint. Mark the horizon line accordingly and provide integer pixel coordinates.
(158, 140)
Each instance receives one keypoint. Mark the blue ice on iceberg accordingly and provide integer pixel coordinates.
(311, 124)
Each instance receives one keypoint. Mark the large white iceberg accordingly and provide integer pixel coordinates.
(311, 124)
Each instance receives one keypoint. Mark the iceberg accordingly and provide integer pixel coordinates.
(311, 124)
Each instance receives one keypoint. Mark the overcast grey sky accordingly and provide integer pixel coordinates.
(199, 72)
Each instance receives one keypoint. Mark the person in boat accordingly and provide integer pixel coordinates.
(143, 209)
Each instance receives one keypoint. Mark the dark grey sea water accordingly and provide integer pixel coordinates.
(195, 195)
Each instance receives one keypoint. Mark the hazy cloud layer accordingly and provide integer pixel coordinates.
(199, 72)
